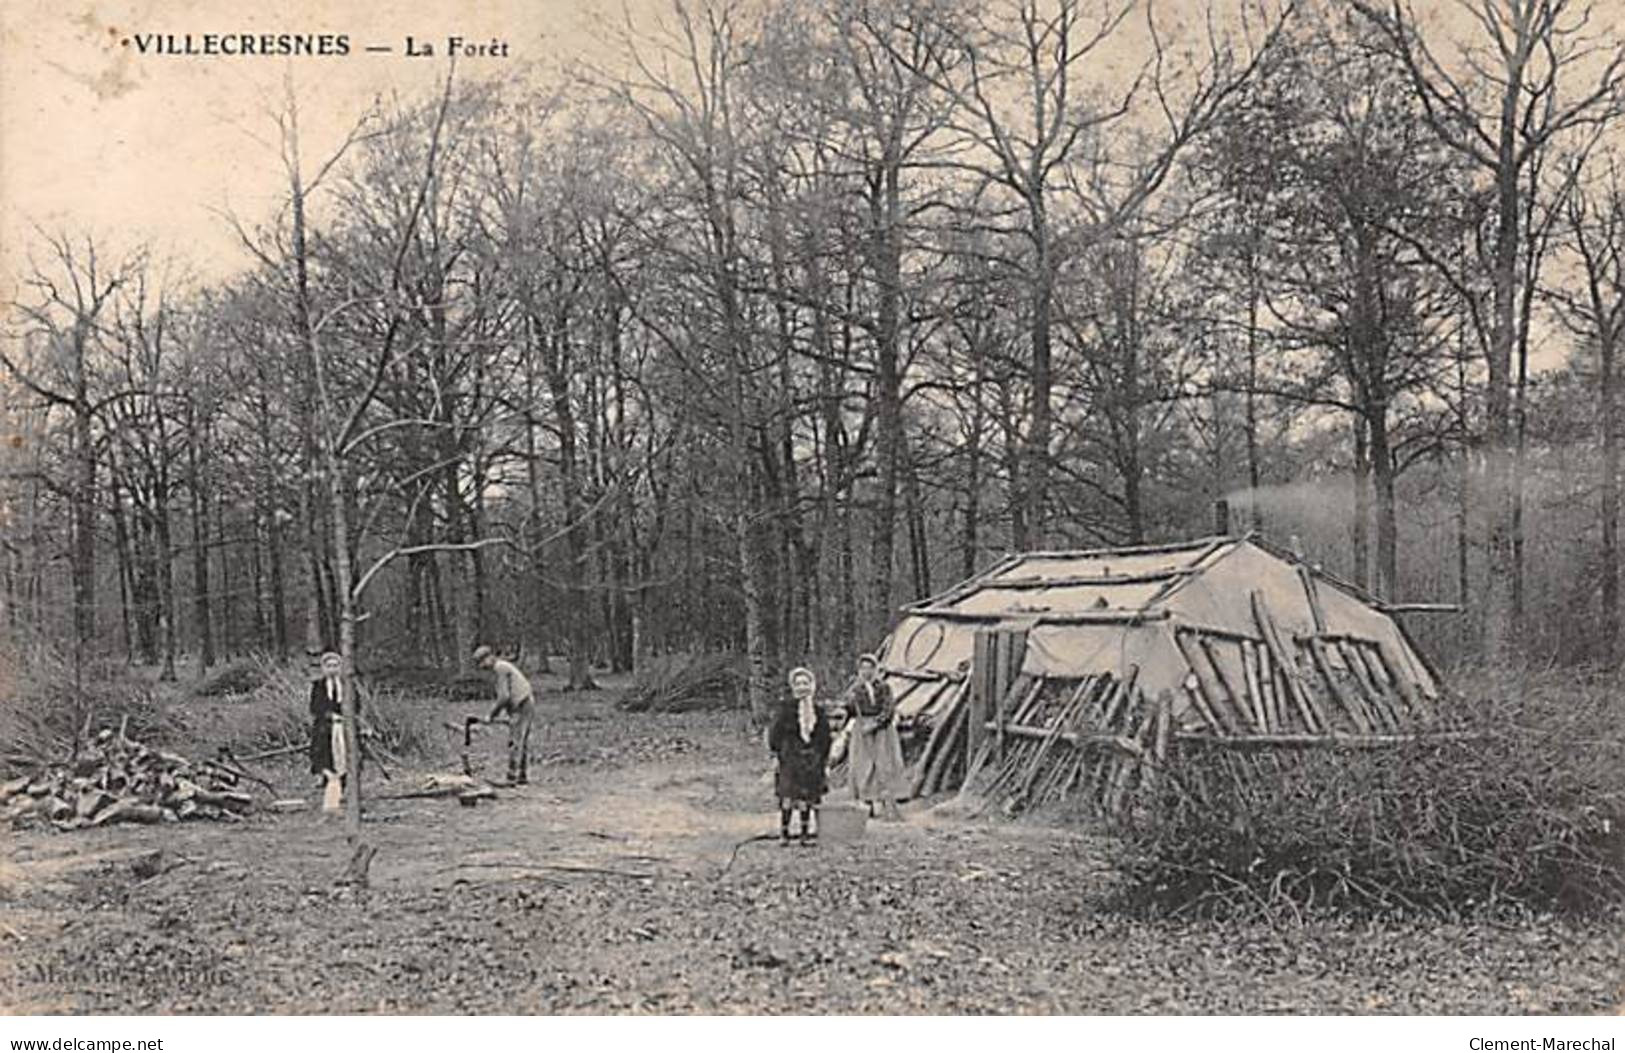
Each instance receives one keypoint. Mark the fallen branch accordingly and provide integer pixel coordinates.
(281, 751)
(735, 853)
(1333, 741)
(569, 868)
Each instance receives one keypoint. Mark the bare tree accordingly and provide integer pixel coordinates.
(1530, 74)
(692, 116)
(1594, 229)
(1033, 124)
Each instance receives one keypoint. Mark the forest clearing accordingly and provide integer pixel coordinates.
(1163, 464)
(610, 884)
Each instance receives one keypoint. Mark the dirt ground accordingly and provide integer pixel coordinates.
(611, 885)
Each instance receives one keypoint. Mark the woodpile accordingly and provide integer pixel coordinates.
(1099, 739)
(118, 780)
(1094, 739)
(683, 682)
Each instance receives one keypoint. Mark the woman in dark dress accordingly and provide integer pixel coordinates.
(800, 739)
(329, 745)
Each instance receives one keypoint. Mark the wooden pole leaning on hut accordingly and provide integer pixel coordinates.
(1317, 651)
(1283, 659)
(941, 738)
(956, 724)
(1089, 690)
(1255, 684)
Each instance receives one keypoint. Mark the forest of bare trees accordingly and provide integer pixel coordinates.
(810, 309)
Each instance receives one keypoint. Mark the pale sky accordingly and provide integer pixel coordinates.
(97, 138)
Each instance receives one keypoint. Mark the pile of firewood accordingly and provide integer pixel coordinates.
(1095, 737)
(118, 780)
(683, 682)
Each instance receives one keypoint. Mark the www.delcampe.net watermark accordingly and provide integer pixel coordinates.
(89, 1045)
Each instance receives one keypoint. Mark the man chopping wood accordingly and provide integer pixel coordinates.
(518, 701)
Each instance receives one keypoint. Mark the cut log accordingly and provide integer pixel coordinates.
(229, 799)
(91, 800)
(440, 784)
(128, 810)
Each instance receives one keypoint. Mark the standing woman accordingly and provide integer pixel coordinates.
(874, 749)
(800, 739)
(329, 745)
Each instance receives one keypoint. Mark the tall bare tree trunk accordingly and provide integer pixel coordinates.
(887, 216)
(1031, 525)
(1382, 472)
(1608, 411)
(970, 541)
(200, 546)
(1360, 528)
(324, 426)
(84, 515)
(918, 542)
(1254, 475)
(167, 611)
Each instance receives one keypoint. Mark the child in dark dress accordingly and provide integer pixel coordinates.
(800, 739)
(329, 741)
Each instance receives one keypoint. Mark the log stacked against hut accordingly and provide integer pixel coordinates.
(117, 780)
(1095, 738)
(943, 725)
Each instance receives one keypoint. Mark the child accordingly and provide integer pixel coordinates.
(329, 745)
(800, 739)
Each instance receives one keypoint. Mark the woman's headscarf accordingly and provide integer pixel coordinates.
(806, 712)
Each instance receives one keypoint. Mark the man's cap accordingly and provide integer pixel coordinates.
(482, 652)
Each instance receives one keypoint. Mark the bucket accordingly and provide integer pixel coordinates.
(840, 822)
